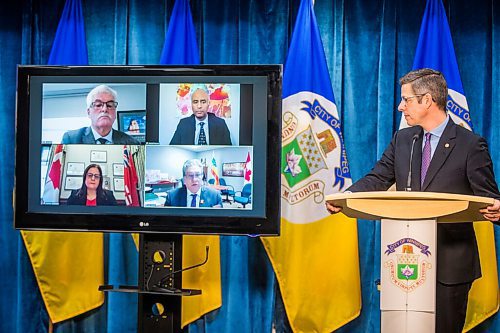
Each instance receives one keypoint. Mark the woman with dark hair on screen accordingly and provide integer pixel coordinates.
(91, 193)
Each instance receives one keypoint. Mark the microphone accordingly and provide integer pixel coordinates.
(408, 181)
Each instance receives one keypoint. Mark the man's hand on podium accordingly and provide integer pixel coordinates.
(332, 209)
(492, 213)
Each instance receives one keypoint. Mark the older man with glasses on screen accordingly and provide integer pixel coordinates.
(193, 193)
(101, 109)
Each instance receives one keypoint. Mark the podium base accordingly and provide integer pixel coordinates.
(407, 321)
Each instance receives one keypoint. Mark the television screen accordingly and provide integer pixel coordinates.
(149, 149)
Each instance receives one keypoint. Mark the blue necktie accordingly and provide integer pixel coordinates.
(193, 201)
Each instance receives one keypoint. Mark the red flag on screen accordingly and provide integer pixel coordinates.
(248, 170)
(52, 186)
(130, 178)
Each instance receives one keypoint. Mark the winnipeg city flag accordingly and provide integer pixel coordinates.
(180, 48)
(435, 50)
(68, 266)
(316, 256)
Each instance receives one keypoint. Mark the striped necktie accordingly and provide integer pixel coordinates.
(426, 158)
(202, 138)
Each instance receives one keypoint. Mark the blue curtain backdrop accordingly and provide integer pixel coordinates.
(368, 45)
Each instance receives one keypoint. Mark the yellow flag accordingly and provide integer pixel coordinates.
(317, 268)
(483, 297)
(206, 277)
(68, 267)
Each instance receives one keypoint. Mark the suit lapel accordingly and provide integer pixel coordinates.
(202, 197)
(191, 130)
(88, 136)
(211, 128)
(444, 148)
(115, 136)
(183, 197)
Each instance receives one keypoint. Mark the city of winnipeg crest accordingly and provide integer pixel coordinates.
(407, 270)
(314, 161)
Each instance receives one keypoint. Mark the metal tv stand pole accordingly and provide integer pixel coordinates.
(160, 283)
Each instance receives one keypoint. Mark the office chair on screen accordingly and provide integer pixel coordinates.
(245, 195)
(229, 192)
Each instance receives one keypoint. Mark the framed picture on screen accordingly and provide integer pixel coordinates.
(133, 123)
(233, 169)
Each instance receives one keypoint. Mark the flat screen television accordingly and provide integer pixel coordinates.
(176, 149)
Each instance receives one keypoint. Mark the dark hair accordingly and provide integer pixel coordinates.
(82, 192)
(430, 81)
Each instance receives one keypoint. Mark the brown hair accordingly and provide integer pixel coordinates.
(430, 81)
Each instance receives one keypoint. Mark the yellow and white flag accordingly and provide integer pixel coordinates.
(316, 256)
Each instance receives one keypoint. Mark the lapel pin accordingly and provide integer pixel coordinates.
(447, 145)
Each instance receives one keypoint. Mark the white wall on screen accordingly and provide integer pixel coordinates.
(168, 160)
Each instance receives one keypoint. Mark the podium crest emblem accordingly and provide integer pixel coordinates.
(409, 270)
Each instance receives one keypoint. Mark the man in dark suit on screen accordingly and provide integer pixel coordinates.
(447, 158)
(193, 193)
(101, 110)
(202, 127)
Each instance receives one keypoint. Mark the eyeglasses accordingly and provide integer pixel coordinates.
(93, 175)
(109, 104)
(193, 175)
(405, 99)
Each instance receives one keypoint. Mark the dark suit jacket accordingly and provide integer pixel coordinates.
(217, 131)
(85, 135)
(208, 197)
(461, 164)
(107, 200)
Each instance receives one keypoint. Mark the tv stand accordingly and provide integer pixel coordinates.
(160, 283)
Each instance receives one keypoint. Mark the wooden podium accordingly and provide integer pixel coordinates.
(409, 248)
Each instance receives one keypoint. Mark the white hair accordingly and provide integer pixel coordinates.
(100, 90)
(191, 163)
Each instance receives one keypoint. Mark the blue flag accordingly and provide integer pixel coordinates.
(435, 50)
(70, 46)
(314, 164)
(180, 43)
(306, 68)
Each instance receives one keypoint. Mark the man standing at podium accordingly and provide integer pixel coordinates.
(444, 157)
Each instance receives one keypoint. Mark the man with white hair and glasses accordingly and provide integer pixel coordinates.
(101, 110)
